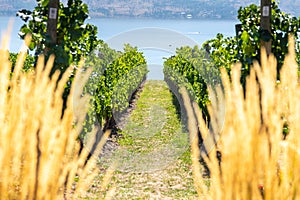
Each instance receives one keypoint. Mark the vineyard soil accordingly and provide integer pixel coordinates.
(172, 181)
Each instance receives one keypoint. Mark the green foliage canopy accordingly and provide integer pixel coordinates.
(28, 62)
(74, 38)
(115, 77)
(189, 68)
(245, 46)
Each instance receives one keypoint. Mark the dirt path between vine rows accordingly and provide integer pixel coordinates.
(152, 160)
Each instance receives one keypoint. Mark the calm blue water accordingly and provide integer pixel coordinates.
(156, 38)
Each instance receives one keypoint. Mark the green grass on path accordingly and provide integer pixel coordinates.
(153, 159)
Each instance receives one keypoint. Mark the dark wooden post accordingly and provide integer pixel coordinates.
(265, 25)
(52, 20)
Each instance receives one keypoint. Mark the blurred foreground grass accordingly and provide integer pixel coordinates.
(39, 148)
(258, 161)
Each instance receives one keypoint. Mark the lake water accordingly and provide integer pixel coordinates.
(156, 38)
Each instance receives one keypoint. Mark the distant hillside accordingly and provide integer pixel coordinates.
(199, 9)
(196, 9)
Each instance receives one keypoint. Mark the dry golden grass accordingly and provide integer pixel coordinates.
(256, 162)
(39, 151)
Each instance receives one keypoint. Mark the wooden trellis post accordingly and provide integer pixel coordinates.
(52, 20)
(265, 25)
